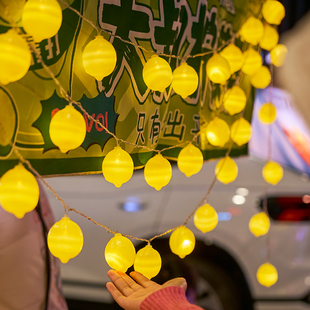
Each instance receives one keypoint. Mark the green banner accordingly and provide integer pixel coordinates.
(122, 102)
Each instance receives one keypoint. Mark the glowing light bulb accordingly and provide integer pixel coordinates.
(226, 170)
(15, 57)
(67, 129)
(261, 78)
(182, 241)
(157, 172)
(241, 131)
(190, 160)
(267, 275)
(41, 18)
(184, 80)
(278, 55)
(252, 30)
(234, 56)
(99, 58)
(270, 38)
(267, 113)
(205, 218)
(19, 191)
(65, 239)
(273, 12)
(252, 61)
(157, 74)
(259, 224)
(272, 173)
(120, 253)
(218, 69)
(234, 100)
(217, 132)
(148, 262)
(117, 166)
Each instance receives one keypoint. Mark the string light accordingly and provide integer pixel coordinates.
(234, 100)
(270, 38)
(267, 275)
(252, 30)
(19, 191)
(267, 113)
(261, 78)
(218, 69)
(205, 218)
(278, 55)
(226, 170)
(273, 12)
(272, 172)
(241, 131)
(148, 262)
(217, 132)
(259, 224)
(234, 56)
(182, 241)
(65, 239)
(252, 61)
(190, 160)
(117, 166)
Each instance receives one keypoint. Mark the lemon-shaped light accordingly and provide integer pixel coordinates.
(259, 224)
(41, 18)
(65, 239)
(157, 172)
(267, 275)
(234, 56)
(252, 61)
(226, 170)
(261, 78)
(270, 38)
(278, 55)
(19, 191)
(241, 131)
(157, 74)
(190, 160)
(252, 30)
(184, 80)
(267, 113)
(182, 241)
(273, 12)
(272, 173)
(234, 100)
(67, 129)
(15, 57)
(120, 253)
(117, 166)
(205, 218)
(218, 69)
(217, 132)
(99, 58)
(148, 262)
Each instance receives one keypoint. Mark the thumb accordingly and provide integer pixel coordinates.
(181, 282)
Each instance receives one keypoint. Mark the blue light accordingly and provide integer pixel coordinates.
(224, 216)
(132, 204)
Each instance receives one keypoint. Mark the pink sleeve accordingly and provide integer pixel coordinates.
(168, 298)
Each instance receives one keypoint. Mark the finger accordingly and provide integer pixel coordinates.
(142, 280)
(181, 282)
(131, 283)
(120, 283)
(116, 294)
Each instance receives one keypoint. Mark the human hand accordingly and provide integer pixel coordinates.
(129, 292)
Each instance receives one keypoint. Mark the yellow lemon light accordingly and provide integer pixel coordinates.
(182, 241)
(205, 218)
(252, 30)
(157, 74)
(157, 172)
(226, 170)
(15, 57)
(261, 78)
(234, 56)
(234, 100)
(278, 55)
(218, 69)
(267, 275)
(190, 160)
(217, 132)
(184, 80)
(41, 18)
(120, 253)
(270, 38)
(99, 58)
(272, 173)
(259, 224)
(267, 113)
(252, 61)
(241, 131)
(273, 12)
(65, 239)
(67, 129)
(117, 166)
(19, 191)
(148, 262)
